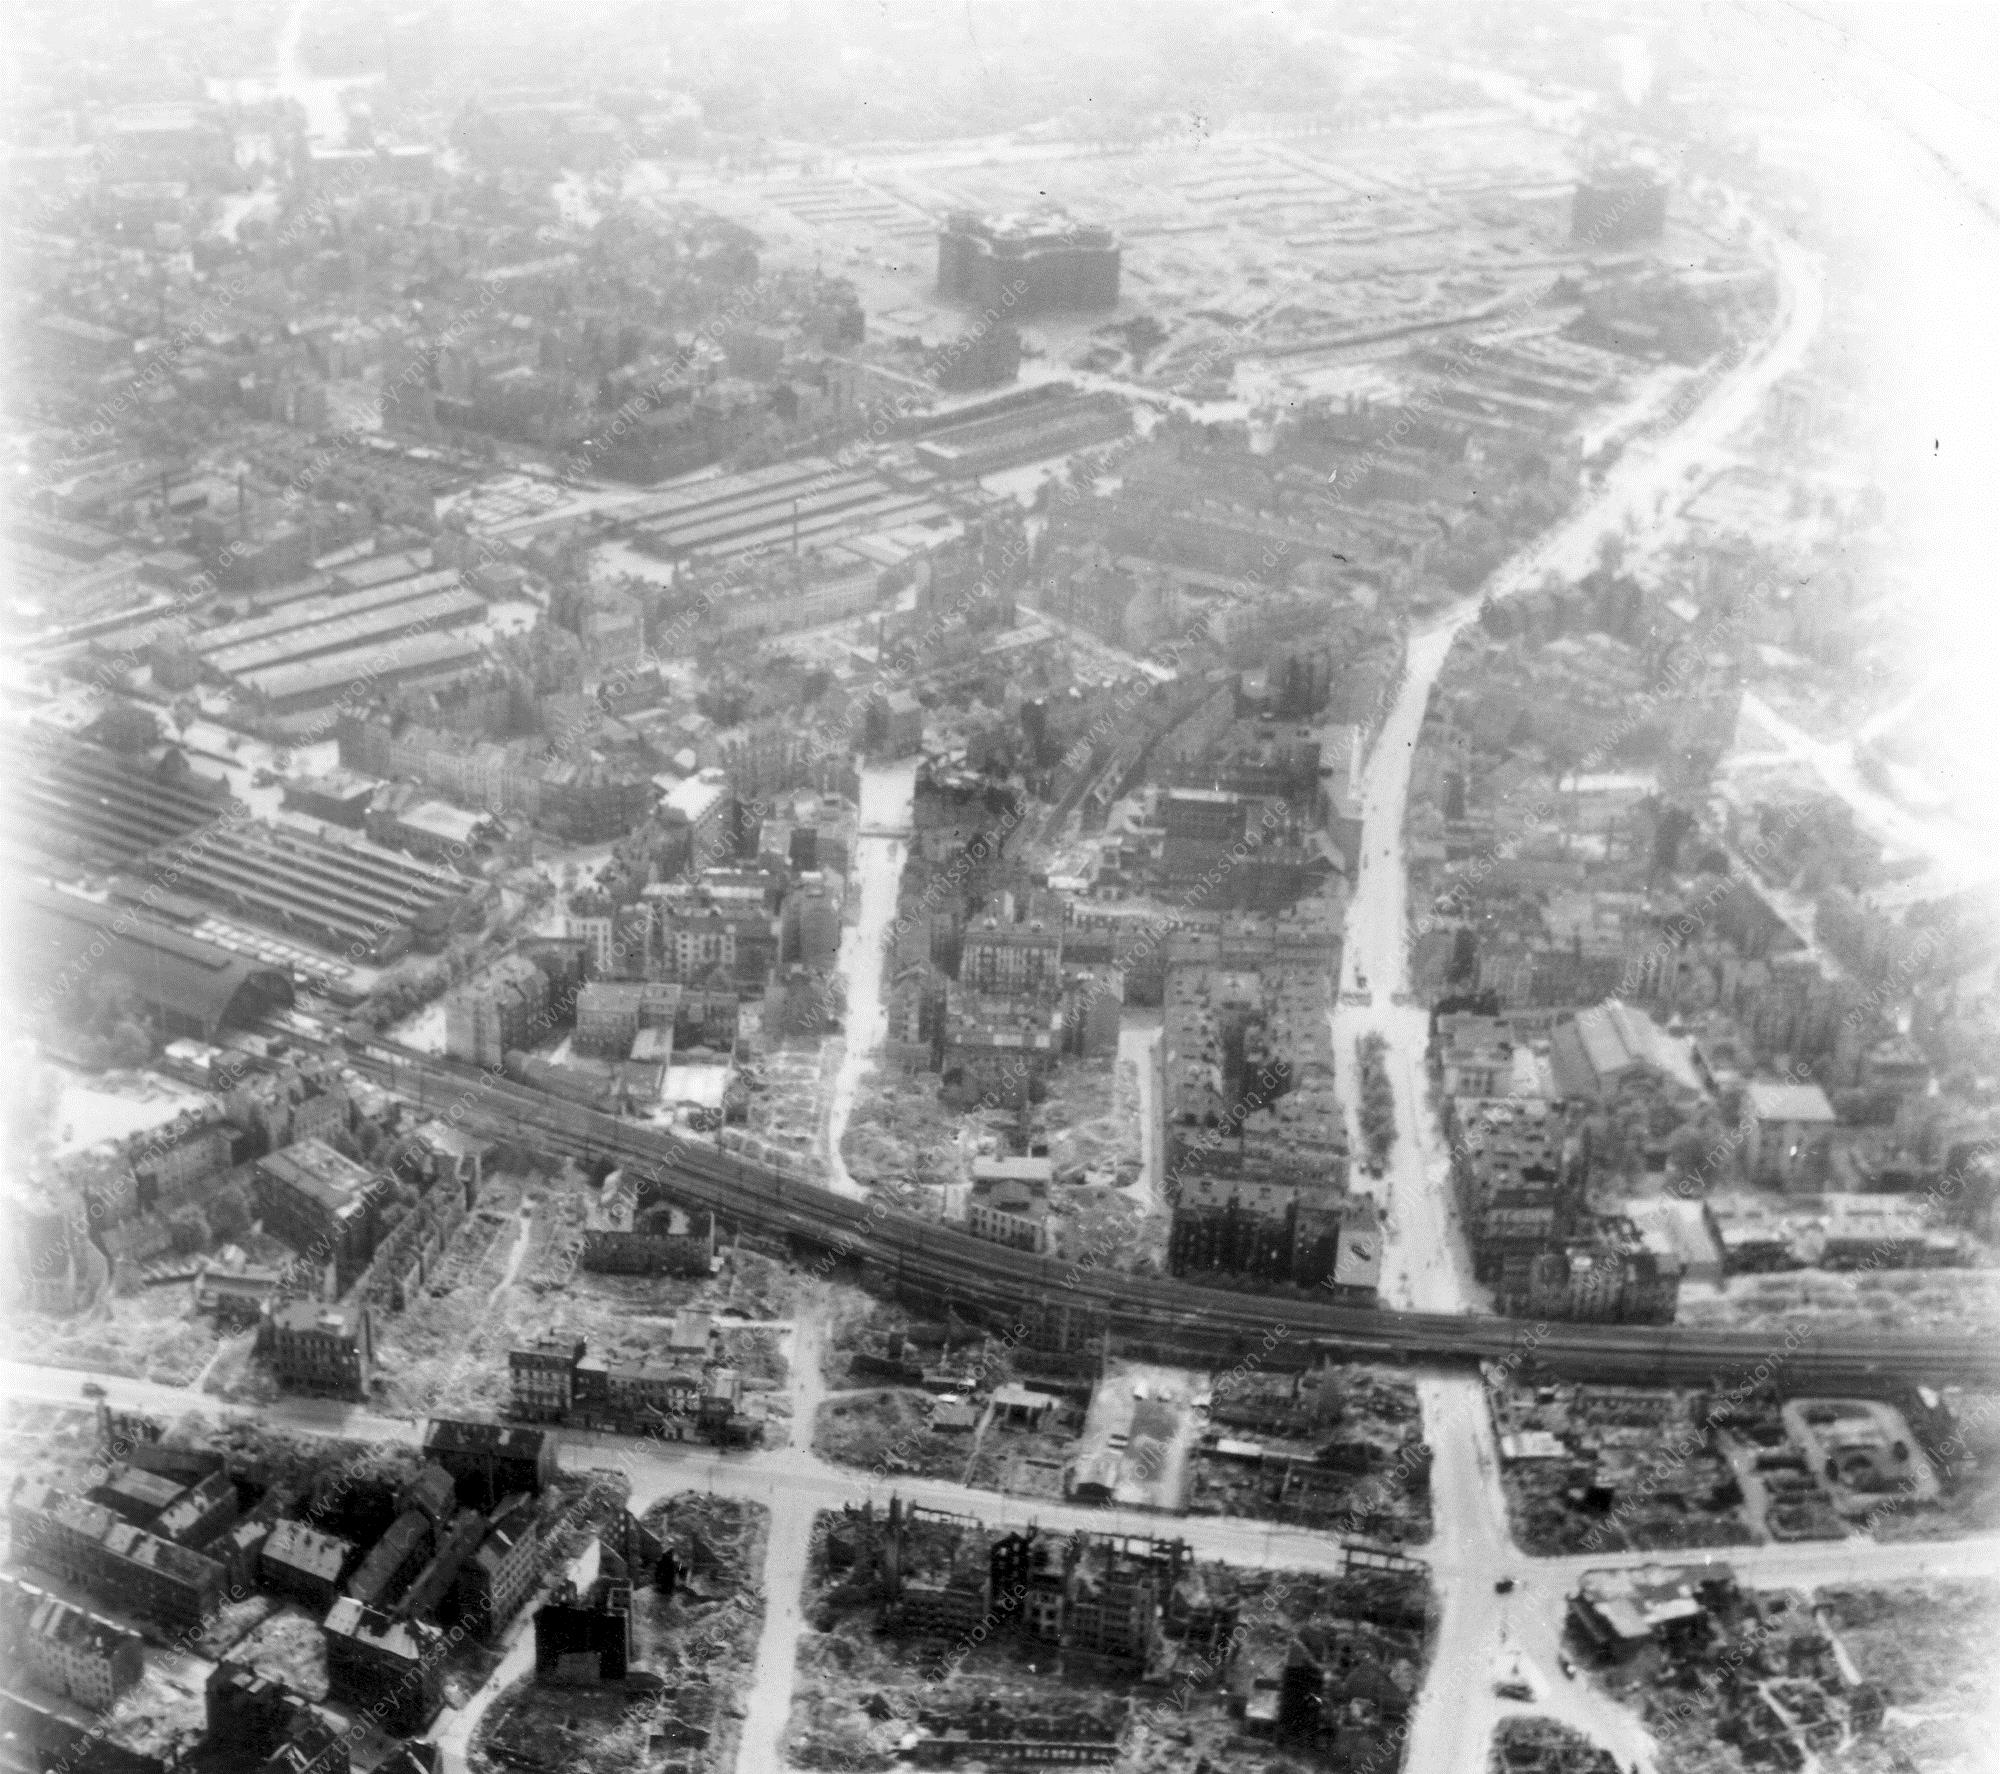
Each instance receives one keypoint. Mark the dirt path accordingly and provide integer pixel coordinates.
(516, 1256)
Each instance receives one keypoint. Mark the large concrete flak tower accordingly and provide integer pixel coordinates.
(1045, 263)
(1616, 207)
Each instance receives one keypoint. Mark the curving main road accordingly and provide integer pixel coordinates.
(1426, 1264)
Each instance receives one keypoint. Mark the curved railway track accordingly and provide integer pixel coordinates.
(919, 1258)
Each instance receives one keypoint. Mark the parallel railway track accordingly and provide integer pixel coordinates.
(922, 1259)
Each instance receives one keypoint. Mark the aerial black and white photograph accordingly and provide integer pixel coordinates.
(988, 885)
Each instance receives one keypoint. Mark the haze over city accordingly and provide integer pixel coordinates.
(977, 887)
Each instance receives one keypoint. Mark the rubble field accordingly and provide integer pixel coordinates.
(55, 1444)
(1091, 1120)
(1833, 1302)
(1339, 1446)
(142, 1333)
(511, 1276)
(1851, 1681)
(889, 1427)
(901, 1133)
(898, 1132)
(1200, 1693)
(1968, 1501)
(1615, 1468)
(1932, 1652)
(692, 1651)
(1542, 1746)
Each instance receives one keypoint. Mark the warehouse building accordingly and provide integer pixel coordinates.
(440, 610)
(427, 658)
(321, 606)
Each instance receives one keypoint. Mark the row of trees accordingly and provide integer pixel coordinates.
(1378, 1098)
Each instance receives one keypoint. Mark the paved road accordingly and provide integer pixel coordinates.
(886, 793)
(799, 1478)
(1426, 1265)
(1471, 1551)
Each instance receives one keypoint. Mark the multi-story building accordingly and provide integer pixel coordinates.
(614, 631)
(584, 1639)
(85, 1544)
(994, 1055)
(1012, 960)
(1009, 1202)
(394, 1560)
(1093, 1007)
(697, 941)
(555, 1380)
(1474, 1054)
(1591, 1282)
(304, 1564)
(704, 803)
(322, 1205)
(199, 1513)
(628, 1230)
(77, 1654)
(132, 1494)
(811, 922)
(657, 1396)
(543, 1378)
(492, 1584)
(320, 1109)
(611, 1012)
(1288, 1233)
(488, 1461)
(1111, 1607)
(1247, 1065)
(167, 1161)
(1518, 1179)
(1783, 1125)
(375, 1661)
(319, 1347)
(458, 1540)
(262, 1719)
(592, 918)
(1201, 827)
(503, 1009)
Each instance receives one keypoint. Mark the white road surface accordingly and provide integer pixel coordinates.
(1426, 1264)
(887, 794)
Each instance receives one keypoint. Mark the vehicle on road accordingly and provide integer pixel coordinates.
(91, 1389)
(1504, 1587)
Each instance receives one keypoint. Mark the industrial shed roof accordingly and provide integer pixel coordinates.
(192, 984)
